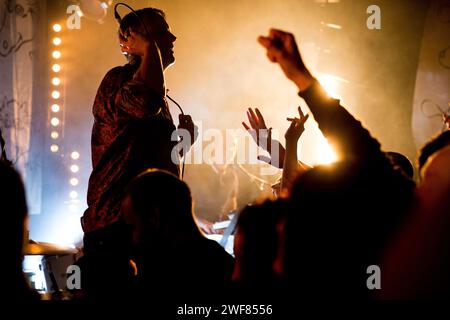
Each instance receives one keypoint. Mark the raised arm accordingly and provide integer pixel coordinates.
(337, 124)
(142, 96)
(292, 168)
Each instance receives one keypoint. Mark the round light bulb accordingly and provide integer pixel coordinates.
(73, 194)
(56, 54)
(54, 148)
(54, 122)
(57, 27)
(56, 94)
(75, 155)
(74, 181)
(55, 107)
(56, 41)
(56, 81)
(56, 68)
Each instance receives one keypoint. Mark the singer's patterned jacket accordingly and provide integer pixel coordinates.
(132, 132)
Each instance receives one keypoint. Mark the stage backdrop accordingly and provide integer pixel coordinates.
(432, 94)
(20, 97)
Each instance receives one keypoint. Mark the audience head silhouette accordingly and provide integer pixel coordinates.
(158, 205)
(434, 145)
(256, 241)
(402, 163)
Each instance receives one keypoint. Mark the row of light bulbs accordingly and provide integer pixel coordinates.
(55, 93)
(55, 109)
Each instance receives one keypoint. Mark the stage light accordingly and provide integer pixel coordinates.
(55, 107)
(95, 9)
(56, 81)
(54, 122)
(56, 54)
(333, 26)
(57, 27)
(54, 135)
(326, 154)
(75, 155)
(54, 148)
(329, 83)
(73, 194)
(74, 182)
(56, 94)
(74, 168)
(56, 41)
(56, 68)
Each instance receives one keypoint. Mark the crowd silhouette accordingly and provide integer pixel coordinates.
(328, 224)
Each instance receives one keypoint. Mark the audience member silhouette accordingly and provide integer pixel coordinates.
(402, 163)
(417, 263)
(172, 255)
(256, 246)
(342, 215)
(440, 141)
(13, 237)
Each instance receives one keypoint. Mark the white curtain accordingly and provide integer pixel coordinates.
(18, 44)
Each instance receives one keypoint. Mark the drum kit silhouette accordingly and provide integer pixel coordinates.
(48, 249)
(47, 272)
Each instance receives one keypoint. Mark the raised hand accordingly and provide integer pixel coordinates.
(258, 129)
(282, 49)
(296, 128)
(263, 138)
(292, 167)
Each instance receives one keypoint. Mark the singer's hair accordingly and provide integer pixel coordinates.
(434, 145)
(131, 21)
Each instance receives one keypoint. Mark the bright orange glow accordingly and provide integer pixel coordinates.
(326, 154)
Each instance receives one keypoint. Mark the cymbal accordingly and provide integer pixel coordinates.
(47, 249)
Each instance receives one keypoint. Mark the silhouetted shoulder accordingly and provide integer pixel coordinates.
(218, 255)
